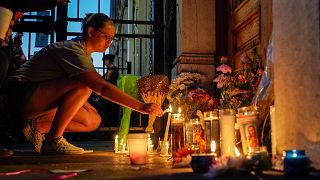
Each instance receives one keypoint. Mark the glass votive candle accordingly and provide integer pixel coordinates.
(200, 163)
(177, 133)
(227, 131)
(138, 145)
(212, 131)
(296, 163)
(247, 122)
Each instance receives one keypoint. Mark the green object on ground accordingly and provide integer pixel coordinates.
(127, 84)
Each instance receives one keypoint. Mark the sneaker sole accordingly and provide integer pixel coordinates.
(63, 152)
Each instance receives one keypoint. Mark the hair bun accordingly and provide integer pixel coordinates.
(87, 18)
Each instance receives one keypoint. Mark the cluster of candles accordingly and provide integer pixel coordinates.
(227, 148)
(120, 148)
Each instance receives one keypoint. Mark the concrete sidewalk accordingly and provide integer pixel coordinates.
(102, 163)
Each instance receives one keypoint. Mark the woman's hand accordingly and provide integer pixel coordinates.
(152, 108)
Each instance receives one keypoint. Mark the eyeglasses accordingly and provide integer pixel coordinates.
(108, 38)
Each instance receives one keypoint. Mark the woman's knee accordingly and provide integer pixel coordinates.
(95, 121)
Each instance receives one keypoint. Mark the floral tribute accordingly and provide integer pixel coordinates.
(185, 92)
(237, 88)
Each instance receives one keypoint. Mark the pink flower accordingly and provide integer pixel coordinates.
(244, 58)
(224, 68)
(221, 79)
(199, 95)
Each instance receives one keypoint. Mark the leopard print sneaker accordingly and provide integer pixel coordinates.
(33, 136)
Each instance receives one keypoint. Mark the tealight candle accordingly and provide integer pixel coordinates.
(116, 143)
(295, 163)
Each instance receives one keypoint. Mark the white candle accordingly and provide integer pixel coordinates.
(122, 146)
(227, 130)
(116, 143)
(150, 144)
(168, 125)
(167, 148)
(273, 131)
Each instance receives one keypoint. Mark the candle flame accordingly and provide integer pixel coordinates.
(237, 152)
(116, 137)
(179, 110)
(170, 108)
(213, 146)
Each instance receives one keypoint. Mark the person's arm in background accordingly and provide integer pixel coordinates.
(20, 6)
(31, 5)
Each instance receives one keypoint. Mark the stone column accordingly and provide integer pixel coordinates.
(297, 76)
(195, 37)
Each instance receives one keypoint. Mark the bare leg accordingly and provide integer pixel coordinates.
(86, 119)
(60, 105)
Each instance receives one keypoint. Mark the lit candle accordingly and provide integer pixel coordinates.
(213, 146)
(212, 131)
(237, 152)
(138, 144)
(168, 125)
(167, 148)
(122, 146)
(227, 129)
(116, 143)
(165, 140)
(177, 133)
(150, 144)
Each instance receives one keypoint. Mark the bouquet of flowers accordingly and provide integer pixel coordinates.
(185, 92)
(237, 88)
